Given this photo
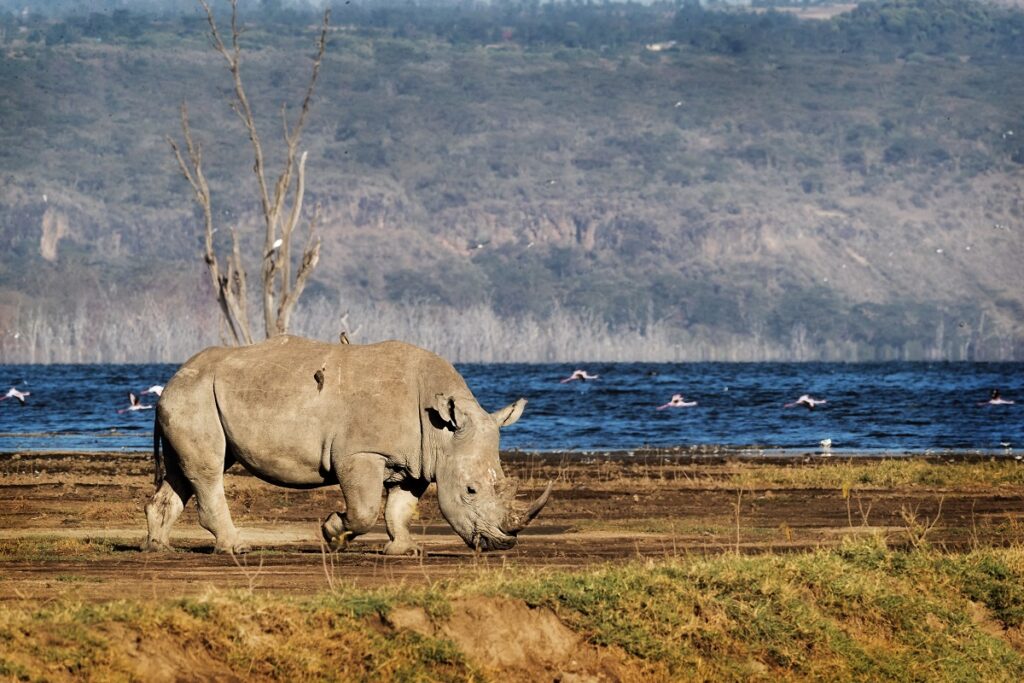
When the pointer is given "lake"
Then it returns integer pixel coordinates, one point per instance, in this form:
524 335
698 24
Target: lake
871 407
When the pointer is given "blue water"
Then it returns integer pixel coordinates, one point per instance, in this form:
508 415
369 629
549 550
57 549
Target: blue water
871 407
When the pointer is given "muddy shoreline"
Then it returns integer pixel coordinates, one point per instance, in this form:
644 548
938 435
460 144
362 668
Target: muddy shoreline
71 523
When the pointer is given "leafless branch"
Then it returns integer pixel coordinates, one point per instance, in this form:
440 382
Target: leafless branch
232 307
280 292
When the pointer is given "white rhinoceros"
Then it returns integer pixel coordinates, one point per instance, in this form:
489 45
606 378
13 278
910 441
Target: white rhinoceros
304 414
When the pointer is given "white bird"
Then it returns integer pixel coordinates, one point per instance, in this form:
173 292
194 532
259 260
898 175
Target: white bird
677 402
157 389
274 247
135 405
826 446
579 374
14 393
807 401
995 399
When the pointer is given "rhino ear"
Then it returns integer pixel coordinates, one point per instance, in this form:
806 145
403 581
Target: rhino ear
449 410
510 413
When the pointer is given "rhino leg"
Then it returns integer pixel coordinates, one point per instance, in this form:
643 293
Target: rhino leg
361 476
398 512
203 461
214 515
165 506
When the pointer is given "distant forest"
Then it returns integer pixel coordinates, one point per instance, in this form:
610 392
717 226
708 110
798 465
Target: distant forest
534 181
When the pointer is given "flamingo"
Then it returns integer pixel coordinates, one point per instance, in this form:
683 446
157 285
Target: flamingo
807 401
996 400
579 374
135 405
14 393
157 389
677 402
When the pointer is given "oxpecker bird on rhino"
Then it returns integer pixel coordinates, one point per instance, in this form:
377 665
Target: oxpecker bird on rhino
299 413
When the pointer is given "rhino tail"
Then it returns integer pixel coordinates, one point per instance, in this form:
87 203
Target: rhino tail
160 471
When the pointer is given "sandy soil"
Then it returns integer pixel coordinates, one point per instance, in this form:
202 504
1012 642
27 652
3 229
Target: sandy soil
604 508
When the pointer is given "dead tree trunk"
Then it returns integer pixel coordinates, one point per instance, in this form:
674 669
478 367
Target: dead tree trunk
281 208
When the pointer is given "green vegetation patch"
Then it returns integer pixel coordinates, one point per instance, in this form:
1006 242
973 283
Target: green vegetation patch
896 473
336 636
44 548
860 612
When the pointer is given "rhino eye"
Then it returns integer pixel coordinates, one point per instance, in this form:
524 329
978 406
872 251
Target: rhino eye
470 490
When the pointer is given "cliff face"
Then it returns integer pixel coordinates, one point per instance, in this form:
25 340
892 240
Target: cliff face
791 195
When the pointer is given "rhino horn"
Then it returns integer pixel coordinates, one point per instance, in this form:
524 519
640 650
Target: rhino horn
518 517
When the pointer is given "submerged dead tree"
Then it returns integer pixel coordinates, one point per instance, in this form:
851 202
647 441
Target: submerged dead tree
280 203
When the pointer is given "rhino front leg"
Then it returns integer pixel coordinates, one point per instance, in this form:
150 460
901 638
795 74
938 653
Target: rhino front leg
398 512
361 476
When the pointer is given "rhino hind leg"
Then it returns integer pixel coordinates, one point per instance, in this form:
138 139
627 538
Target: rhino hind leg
202 456
398 512
165 507
361 476
214 515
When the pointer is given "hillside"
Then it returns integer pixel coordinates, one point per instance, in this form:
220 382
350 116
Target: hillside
769 187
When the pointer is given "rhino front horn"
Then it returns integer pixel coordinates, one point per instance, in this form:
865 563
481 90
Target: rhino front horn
517 521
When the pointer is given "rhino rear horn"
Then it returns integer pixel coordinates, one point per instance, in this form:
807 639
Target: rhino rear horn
518 519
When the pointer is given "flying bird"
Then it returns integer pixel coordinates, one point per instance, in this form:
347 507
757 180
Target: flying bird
157 389
135 405
807 401
677 402
14 393
579 374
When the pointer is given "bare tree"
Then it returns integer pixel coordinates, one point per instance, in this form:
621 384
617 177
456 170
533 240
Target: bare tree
281 207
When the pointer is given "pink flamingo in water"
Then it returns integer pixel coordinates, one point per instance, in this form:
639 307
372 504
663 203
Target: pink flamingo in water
996 400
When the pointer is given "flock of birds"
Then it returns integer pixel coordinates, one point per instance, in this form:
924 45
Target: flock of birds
134 403
679 401
805 400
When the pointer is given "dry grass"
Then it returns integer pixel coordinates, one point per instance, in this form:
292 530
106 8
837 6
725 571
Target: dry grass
860 612
849 474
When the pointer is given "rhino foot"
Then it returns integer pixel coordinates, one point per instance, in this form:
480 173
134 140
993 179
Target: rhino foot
335 533
151 546
406 548
336 543
238 548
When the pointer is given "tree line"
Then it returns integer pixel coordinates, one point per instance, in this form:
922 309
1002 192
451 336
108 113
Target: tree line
884 27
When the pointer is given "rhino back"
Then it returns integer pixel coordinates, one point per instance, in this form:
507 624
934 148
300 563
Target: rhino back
280 420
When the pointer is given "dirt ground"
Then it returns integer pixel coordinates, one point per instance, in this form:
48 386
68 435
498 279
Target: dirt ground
72 523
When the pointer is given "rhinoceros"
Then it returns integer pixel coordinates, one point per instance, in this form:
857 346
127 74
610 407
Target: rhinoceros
303 414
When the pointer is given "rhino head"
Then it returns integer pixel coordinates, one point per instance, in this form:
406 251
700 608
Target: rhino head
475 496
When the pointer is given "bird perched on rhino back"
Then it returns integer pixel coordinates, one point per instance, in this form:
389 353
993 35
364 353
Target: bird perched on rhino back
304 414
